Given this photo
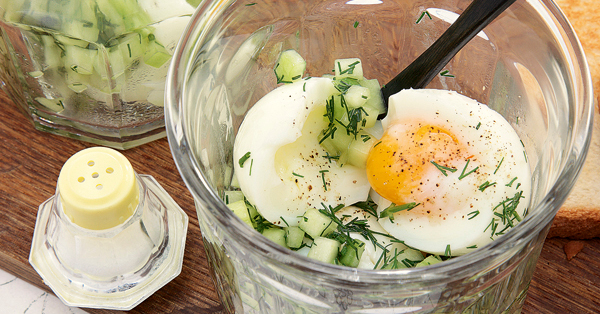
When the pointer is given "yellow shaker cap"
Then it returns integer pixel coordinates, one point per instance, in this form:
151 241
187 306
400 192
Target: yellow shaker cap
98 188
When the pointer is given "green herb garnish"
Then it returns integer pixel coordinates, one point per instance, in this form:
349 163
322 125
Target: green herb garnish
322 172
497 167
243 159
486 185
463 174
443 169
474 246
297 175
423 15
393 208
473 214
445 73
448 252
355 24
478 125
509 184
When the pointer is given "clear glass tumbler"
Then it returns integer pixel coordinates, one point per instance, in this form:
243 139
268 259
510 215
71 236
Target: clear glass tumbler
527 65
91 69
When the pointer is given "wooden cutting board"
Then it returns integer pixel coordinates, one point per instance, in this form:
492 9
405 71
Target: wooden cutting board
30 161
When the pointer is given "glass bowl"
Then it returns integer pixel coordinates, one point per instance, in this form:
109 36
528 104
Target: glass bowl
91 70
527 65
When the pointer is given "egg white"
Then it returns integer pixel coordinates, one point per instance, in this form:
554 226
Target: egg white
287 171
459 217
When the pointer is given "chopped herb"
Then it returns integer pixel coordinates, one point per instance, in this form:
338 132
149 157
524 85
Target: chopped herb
364 97
423 15
297 175
304 87
129 48
463 174
445 73
474 246
296 77
473 214
478 125
329 157
497 167
525 155
517 121
356 24
509 184
350 69
226 199
393 208
369 206
377 143
443 168
251 163
486 185
448 252
322 172
365 138
250 4
518 185
285 222
243 159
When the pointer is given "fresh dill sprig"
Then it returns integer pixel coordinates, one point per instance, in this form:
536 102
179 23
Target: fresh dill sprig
463 174
473 214
509 184
443 169
423 15
498 167
393 208
485 185
368 206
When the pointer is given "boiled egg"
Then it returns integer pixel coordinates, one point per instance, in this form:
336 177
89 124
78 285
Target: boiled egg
449 174
279 163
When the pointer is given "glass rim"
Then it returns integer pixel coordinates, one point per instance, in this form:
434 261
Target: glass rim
531 226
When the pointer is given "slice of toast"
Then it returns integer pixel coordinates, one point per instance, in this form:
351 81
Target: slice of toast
579 217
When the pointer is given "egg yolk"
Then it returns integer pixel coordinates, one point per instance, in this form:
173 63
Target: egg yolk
397 164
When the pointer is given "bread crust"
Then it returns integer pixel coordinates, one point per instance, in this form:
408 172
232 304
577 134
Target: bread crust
579 217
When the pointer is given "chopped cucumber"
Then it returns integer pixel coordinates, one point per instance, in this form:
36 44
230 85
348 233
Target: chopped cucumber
276 235
78 59
350 254
356 96
429 260
233 196
55 105
316 224
351 67
324 250
239 209
375 99
294 237
290 67
359 149
156 55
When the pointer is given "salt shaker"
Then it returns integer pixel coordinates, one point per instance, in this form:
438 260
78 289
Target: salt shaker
109 237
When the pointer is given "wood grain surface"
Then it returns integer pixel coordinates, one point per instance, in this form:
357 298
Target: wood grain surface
30 161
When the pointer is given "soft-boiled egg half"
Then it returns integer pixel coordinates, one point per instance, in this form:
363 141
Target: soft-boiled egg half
449 174
280 165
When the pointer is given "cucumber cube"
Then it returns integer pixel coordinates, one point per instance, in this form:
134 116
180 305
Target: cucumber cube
359 150
356 96
276 235
239 209
316 224
351 67
375 99
80 59
324 250
233 196
294 237
429 260
290 67
370 116
156 55
350 255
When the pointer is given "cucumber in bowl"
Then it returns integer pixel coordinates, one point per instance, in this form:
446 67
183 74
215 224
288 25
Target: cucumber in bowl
97 51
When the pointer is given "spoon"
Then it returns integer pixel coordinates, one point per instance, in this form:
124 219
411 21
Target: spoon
421 71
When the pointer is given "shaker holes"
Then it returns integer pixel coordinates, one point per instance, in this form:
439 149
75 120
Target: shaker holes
99 186
109 170
91 163
95 175
81 179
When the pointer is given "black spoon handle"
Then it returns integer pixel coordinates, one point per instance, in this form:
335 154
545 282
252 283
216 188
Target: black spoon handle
421 71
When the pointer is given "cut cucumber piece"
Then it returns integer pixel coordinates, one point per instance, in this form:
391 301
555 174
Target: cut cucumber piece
156 55
375 99
55 105
290 67
429 260
233 196
294 236
356 96
80 59
351 67
276 235
350 255
239 209
359 149
324 250
316 224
